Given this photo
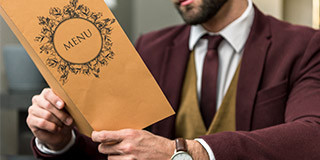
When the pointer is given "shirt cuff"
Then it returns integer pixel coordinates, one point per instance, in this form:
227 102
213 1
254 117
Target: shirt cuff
44 149
206 147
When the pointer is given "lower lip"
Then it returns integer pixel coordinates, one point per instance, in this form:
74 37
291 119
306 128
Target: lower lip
186 2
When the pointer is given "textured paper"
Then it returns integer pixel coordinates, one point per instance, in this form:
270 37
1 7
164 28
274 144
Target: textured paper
86 58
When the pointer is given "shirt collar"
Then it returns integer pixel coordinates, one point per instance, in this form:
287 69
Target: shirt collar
236 33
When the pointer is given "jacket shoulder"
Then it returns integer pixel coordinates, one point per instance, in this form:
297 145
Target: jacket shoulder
160 38
287 32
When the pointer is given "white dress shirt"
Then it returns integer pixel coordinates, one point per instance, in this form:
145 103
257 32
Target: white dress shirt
230 52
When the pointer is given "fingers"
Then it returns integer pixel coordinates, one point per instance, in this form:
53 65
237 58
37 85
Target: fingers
116 149
48 101
48 120
133 144
36 123
51 97
109 136
110 149
112 142
120 157
44 114
47 113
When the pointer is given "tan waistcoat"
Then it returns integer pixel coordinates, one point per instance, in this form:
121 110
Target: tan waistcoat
189 122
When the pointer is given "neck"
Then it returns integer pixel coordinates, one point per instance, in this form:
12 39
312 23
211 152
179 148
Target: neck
229 12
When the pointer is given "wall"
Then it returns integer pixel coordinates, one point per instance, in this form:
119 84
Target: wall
123 12
293 11
1 59
271 7
152 15
8 118
6 37
298 11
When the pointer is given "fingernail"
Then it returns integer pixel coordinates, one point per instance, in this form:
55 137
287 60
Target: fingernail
68 121
59 104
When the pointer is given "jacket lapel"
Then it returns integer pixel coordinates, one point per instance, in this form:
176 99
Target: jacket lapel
252 65
172 76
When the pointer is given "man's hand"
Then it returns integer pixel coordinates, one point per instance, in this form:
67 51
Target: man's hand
48 120
133 144
141 145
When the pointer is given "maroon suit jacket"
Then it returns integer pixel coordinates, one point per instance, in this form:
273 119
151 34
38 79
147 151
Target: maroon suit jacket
278 96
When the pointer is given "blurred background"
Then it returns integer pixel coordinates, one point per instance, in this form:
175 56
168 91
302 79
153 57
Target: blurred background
136 17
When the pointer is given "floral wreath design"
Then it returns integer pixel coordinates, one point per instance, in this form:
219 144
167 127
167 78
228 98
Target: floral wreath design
50 24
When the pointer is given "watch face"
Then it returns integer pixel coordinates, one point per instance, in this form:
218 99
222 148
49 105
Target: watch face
181 156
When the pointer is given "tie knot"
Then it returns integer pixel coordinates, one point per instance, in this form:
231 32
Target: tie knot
213 41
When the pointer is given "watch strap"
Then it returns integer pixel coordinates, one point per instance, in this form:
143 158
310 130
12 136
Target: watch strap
181 145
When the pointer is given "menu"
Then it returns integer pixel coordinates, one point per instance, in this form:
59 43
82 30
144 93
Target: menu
86 58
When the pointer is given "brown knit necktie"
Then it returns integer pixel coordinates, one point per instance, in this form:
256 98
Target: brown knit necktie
209 80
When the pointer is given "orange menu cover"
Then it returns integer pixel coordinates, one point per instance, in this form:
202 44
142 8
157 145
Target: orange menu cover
88 61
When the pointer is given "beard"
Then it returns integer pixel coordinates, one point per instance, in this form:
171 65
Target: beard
207 10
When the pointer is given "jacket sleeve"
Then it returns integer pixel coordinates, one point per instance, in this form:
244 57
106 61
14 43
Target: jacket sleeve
84 148
298 137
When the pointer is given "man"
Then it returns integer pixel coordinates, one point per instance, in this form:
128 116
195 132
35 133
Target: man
273 65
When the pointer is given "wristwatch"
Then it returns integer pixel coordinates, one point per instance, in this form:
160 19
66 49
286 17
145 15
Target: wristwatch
181 152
